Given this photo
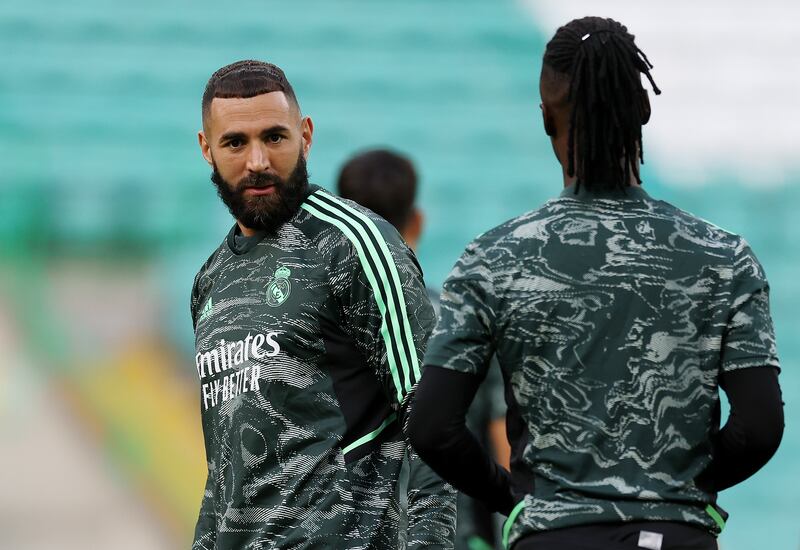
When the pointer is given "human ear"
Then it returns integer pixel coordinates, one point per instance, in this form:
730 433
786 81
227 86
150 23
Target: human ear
307 133
548 121
205 148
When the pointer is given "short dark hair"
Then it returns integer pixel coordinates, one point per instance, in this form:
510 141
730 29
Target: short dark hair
383 181
608 103
244 79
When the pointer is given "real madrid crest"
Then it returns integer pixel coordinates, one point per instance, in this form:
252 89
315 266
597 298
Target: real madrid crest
278 290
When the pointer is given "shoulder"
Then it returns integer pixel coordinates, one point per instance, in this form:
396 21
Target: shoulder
499 244
338 226
696 231
203 282
208 266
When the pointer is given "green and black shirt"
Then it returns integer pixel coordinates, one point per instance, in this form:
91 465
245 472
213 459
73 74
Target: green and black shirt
308 344
613 316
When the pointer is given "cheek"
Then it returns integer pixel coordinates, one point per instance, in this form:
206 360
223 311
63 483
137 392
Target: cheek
230 167
283 162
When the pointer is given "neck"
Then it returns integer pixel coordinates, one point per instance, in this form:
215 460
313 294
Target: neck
571 180
560 149
410 238
568 180
246 231
559 144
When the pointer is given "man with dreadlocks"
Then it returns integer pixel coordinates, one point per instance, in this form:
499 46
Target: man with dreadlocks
616 318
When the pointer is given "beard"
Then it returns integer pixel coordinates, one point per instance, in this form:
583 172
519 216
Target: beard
264 212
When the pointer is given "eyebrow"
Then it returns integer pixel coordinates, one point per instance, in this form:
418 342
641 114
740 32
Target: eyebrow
228 136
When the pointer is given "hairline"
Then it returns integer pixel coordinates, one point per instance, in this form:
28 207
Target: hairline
290 100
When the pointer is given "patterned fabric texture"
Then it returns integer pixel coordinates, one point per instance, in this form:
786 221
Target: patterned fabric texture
308 344
612 315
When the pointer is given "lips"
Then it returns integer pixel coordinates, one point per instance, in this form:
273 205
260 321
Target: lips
258 191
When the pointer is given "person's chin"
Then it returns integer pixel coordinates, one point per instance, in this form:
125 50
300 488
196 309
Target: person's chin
262 202
261 219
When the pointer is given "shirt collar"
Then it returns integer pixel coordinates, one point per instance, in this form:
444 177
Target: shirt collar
632 192
239 244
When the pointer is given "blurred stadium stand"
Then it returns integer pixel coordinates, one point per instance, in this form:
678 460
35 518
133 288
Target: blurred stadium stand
106 210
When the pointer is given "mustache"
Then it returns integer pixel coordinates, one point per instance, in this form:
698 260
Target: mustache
259 180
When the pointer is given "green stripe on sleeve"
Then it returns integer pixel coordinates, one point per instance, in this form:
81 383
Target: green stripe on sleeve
512 517
371 435
715 516
384 279
395 279
477 543
371 278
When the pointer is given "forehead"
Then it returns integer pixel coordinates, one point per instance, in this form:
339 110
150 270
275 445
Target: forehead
252 113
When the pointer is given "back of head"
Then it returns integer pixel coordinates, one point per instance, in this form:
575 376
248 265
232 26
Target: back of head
383 181
245 79
608 105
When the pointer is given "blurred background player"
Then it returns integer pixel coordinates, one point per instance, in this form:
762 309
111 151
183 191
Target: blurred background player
386 182
305 372
616 318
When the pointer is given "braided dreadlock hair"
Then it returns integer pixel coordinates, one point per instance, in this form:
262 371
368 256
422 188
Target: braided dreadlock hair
607 101
245 79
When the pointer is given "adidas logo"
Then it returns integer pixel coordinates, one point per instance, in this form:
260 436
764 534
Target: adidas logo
207 309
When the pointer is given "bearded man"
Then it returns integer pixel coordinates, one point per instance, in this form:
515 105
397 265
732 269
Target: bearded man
311 320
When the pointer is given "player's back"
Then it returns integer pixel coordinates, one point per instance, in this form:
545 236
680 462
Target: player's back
608 313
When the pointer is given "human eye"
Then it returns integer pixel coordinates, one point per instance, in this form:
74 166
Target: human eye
274 137
235 143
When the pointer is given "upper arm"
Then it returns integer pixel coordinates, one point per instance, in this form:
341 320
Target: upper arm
749 338
378 285
464 336
194 301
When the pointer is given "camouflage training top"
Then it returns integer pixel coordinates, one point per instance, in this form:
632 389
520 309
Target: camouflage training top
612 315
308 343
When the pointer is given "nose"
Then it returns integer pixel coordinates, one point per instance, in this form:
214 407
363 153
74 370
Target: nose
258 158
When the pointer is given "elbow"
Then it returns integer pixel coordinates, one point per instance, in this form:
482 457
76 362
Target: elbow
422 434
431 432
760 441
436 425
766 440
